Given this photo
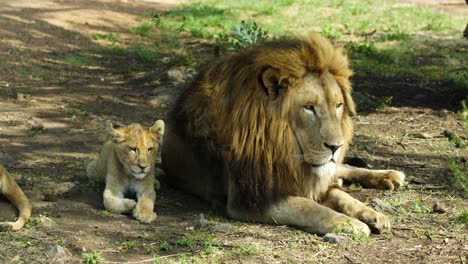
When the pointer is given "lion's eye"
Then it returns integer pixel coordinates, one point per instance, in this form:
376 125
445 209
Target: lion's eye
309 109
339 105
150 149
132 149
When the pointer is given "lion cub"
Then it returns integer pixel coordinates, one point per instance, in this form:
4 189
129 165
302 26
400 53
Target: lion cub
12 191
126 162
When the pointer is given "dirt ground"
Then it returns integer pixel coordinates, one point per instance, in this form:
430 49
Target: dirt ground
51 120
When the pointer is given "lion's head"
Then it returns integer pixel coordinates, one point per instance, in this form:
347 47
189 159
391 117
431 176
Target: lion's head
136 146
270 113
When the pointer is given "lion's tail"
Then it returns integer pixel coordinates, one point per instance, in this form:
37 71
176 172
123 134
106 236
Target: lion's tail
13 192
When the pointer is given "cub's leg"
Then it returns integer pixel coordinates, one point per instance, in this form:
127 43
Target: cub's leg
13 192
379 179
113 197
342 202
144 209
305 214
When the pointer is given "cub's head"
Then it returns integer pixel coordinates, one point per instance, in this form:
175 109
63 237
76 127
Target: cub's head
136 146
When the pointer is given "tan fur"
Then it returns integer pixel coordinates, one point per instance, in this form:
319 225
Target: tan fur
13 192
251 133
127 163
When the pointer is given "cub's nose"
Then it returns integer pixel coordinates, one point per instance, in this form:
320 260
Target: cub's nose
332 147
142 167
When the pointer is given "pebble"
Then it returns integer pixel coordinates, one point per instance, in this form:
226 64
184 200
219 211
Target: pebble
335 239
223 228
56 252
382 207
439 208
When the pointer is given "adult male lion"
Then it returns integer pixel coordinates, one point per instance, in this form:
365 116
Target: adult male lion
263 132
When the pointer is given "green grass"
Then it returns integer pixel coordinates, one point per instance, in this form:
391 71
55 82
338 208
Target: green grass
249 250
93 257
129 244
78 60
107 37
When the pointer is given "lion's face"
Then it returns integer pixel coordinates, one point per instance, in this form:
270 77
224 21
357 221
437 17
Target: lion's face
136 146
316 112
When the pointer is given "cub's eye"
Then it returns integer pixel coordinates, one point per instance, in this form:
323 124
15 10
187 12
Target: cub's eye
132 149
309 108
339 105
150 149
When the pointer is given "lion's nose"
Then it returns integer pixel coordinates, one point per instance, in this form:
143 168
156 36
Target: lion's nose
142 167
332 147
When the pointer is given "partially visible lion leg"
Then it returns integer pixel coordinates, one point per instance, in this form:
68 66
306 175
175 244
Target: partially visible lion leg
13 192
144 208
114 202
342 202
306 214
379 179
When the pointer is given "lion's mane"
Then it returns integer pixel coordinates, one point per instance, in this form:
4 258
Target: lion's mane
229 119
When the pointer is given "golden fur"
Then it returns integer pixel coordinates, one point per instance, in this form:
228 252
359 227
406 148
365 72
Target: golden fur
13 192
127 163
248 144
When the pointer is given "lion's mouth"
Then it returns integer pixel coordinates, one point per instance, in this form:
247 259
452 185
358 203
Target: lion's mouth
322 164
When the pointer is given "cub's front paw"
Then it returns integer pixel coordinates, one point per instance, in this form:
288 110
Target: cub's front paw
128 204
386 180
378 222
144 215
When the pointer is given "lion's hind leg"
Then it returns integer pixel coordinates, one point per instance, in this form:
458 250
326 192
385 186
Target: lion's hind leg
379 179
342 202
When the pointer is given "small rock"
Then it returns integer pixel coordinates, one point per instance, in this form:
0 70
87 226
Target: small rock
201 222
382 207
439 208
335 238
56 252
176 75
224 228
20 96
36 125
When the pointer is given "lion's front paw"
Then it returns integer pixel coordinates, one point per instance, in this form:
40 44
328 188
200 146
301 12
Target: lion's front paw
386 180
144 215
378 222
351 225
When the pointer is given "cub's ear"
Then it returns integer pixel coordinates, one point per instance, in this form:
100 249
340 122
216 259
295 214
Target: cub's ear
116 135
273 82
158 129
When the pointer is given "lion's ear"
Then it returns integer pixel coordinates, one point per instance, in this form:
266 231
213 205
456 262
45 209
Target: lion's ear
114 134
158 128
272 82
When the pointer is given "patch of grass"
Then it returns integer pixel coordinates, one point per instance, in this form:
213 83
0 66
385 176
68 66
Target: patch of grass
462 218
78 60
60 241
241 36
93 257
145 29
188 240
330 32
23 238
129 244
419 208
105 213
107 37
34 220
245 250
